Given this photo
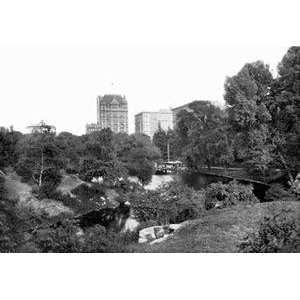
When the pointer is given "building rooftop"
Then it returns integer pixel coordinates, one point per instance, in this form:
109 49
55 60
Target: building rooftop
161 111
111 99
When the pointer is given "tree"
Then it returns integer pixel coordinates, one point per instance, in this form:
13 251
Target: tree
14 221
245 95
160 140
8 147
284 106
72 148
166 142
202 134
100 158
40 161
138 155
249 118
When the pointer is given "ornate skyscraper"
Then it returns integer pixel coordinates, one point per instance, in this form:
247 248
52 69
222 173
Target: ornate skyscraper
112 112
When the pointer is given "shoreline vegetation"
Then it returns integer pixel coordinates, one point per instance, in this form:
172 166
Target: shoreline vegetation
51 184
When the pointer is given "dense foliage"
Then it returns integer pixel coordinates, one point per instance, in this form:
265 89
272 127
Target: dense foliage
67 239
259 129
87 198
284 106
264 115
173 203
138 155
100 159
40 162
8 147
225 195
278 193
279 233
167 143
202 136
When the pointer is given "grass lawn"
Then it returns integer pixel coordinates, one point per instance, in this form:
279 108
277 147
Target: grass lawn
219 230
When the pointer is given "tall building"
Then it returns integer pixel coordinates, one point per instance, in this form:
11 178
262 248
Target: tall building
112 112
149 122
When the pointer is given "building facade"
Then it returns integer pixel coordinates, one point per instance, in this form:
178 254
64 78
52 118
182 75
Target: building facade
149 122
112 112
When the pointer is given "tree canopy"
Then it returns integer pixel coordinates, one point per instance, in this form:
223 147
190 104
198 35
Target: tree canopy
138 155
202 135
248 116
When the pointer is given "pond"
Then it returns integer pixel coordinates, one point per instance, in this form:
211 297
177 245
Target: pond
157 180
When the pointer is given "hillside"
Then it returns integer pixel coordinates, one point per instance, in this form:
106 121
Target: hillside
219 230
68 183
22 192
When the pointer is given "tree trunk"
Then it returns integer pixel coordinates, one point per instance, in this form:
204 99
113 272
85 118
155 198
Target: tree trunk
42 169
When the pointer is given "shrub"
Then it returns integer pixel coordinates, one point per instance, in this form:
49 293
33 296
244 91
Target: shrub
86 192
187 202
58 240
143 169
2 189
98 240
8 236
92 196
278 193
279 233
51 180
228 194
175 202
78 205
65 239
148 205
13 223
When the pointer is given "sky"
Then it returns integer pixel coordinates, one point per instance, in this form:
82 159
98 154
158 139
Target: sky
53 64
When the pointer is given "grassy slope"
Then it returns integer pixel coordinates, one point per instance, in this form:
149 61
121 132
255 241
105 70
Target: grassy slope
68 183
22 192
219 230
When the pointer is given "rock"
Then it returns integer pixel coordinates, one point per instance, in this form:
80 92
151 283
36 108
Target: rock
296 184
219 204
157 234
147 235
130 225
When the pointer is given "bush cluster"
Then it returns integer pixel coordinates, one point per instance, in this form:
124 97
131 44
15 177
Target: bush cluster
87 198
88 192
228 194
278 193
8 235
279 233
1 187
65 238
172 203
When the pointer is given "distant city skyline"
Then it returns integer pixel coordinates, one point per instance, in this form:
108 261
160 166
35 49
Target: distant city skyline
60 84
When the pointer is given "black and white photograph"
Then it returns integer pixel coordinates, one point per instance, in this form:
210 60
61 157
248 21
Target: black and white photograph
149 130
